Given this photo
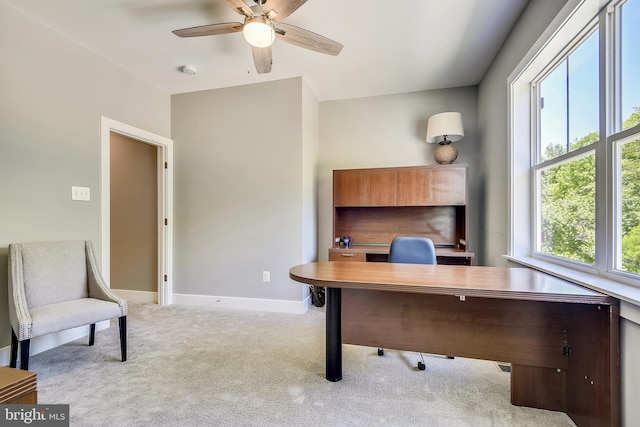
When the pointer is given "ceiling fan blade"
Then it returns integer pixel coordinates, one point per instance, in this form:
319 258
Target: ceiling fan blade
306 39
262 59
209 30
277 10
240 7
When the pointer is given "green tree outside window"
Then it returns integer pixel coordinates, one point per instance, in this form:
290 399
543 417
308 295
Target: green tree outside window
631 199
568 203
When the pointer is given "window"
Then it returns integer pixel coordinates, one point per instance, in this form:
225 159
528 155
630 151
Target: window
628 208
575 131
627 150
630 62
568 106
568 111
567 209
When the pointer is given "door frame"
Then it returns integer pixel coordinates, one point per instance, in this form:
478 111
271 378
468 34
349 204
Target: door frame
165 200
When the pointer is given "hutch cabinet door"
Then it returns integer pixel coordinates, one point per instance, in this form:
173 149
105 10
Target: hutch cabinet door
380 188
413 187
448 186
348 188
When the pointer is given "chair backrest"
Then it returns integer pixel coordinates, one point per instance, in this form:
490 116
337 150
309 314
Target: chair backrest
412 250
53 272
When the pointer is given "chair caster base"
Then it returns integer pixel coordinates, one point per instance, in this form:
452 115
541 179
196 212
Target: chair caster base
381 352
421 366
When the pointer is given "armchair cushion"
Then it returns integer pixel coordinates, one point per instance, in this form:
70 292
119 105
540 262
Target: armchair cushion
50 318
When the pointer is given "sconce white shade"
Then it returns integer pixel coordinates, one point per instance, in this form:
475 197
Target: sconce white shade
447 125
258 32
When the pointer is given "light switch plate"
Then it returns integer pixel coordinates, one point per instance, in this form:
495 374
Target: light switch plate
81 193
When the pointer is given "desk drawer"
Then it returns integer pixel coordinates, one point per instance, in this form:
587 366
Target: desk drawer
347 256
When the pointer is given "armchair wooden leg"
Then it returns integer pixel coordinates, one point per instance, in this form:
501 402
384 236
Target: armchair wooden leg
92 334
14 349
24 354
122 321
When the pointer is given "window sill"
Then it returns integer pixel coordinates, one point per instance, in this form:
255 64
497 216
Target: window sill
628 295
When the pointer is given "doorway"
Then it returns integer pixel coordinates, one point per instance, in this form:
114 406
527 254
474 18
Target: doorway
134 218
113 135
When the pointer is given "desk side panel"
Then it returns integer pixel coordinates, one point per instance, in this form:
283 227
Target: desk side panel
522 332
535 387
593 380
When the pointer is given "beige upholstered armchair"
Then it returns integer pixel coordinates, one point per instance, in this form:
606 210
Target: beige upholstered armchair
54 286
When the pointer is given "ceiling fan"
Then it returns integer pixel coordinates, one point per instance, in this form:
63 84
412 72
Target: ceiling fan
262 25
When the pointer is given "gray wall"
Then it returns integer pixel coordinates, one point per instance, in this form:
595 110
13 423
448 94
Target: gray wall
310 149
52 94
240 189
493 126
630 367
390 131
493 173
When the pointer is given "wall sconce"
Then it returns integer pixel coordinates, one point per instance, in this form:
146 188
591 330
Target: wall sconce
449 127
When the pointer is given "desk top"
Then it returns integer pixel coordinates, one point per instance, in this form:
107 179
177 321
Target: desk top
472 281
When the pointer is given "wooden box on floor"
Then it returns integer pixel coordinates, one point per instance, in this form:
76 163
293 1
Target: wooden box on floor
17 386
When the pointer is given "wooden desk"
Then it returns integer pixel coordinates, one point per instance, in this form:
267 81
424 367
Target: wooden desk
561 339
17 386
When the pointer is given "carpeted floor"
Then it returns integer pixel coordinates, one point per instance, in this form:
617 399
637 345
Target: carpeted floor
193 366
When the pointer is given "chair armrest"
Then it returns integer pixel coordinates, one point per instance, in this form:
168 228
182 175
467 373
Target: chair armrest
97 287
19 316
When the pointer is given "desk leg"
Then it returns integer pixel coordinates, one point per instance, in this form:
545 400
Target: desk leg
334 334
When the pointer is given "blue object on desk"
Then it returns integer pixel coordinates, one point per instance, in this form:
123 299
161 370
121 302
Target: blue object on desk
412 250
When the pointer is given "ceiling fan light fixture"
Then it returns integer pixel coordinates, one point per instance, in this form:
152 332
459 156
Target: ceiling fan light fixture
258 32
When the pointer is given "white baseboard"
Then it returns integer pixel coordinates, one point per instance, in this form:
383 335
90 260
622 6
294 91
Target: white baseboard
278 306
136 296
47 342
256 304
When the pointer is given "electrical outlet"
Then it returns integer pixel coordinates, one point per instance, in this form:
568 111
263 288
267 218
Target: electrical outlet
81 193
266 276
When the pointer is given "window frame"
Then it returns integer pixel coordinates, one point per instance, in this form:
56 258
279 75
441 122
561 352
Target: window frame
574 24
615 144
539 165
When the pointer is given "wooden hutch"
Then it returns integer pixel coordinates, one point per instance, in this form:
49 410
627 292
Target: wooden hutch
372 206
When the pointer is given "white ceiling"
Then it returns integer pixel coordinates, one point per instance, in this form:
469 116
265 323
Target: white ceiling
390 46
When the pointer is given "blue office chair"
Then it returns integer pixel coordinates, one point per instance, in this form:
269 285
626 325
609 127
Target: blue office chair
412 250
